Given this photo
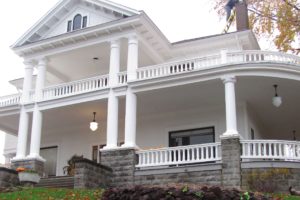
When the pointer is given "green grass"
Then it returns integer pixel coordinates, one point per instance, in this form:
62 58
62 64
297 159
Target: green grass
52 194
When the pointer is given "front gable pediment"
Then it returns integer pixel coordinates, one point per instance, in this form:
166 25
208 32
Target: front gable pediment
60 19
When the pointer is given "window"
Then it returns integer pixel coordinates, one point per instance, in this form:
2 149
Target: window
252 134
78 22
96 154
69 26
84 21
191 137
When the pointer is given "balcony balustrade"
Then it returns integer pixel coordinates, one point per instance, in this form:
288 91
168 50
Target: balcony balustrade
156 71
179 155
10 100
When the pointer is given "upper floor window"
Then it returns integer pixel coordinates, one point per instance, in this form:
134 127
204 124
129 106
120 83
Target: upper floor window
78 22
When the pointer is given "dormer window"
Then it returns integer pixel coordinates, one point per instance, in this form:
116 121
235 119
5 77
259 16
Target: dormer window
78 22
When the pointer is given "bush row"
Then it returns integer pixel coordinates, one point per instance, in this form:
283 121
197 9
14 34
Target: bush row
178 193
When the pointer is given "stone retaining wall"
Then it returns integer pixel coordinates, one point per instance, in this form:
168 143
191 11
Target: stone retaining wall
270 176
89 174
205 174
8 178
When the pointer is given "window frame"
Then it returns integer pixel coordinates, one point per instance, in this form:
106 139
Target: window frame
194 129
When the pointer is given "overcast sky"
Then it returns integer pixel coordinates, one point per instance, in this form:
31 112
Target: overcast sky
178 20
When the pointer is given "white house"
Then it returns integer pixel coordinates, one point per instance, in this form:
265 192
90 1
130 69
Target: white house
147 93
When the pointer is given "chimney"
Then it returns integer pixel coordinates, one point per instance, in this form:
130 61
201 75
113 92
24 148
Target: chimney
242 20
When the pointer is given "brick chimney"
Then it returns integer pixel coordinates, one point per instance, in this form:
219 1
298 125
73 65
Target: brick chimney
242 20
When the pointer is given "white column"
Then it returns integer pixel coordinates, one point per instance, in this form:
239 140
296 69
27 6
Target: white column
130 119
24 116
231 121
27 84
36 131
114 67
22 134
113 102
35 142
132 61
112 121
41 77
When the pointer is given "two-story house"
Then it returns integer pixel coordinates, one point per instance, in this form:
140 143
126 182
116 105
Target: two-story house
108 80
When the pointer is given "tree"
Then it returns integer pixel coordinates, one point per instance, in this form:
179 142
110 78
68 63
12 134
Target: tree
276 19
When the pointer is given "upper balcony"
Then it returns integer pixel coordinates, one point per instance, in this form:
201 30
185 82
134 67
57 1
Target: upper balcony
169 69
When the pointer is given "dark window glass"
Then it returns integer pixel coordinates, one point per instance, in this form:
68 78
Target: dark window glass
84 22
69 26
77 22
95 153
192 137
252 134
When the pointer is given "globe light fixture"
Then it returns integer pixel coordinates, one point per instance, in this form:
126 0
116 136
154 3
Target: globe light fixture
94 124
277 100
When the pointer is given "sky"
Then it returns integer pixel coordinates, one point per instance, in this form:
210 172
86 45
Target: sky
178 20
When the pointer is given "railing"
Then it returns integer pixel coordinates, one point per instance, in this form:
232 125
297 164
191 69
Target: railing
122 78
178 67
76 87
161 70
270 149
262 56
10 100
179 155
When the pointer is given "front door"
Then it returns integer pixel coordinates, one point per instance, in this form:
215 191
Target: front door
50 155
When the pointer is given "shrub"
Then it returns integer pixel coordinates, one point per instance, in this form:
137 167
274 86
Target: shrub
177 193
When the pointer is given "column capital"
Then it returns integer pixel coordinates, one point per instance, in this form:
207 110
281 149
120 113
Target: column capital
29 63
228 79
133 39
43 61
115 44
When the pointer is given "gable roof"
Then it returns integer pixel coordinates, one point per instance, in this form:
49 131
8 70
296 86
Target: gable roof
52 17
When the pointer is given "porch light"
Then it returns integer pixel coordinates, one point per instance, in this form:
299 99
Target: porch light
277 101
94 124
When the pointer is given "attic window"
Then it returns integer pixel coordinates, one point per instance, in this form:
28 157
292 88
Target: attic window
78 22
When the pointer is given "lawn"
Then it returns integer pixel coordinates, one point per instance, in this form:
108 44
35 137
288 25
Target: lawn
52 194
78 194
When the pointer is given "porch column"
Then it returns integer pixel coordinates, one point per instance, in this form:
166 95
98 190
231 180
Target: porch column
132 61
24 116
41 77
22 134
231 122
36 132
113 102
130 119
114 67
27 84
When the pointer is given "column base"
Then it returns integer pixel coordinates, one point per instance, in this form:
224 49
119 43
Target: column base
110 147
230 134
130 146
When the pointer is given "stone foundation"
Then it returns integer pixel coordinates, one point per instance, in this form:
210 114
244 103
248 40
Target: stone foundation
89 174
122 162
204 174
231 162
270 176
33 164
8 178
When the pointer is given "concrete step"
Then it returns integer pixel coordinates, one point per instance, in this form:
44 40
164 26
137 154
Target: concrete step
57 182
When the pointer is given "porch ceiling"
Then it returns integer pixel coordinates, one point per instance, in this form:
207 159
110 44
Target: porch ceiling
257 92
79 63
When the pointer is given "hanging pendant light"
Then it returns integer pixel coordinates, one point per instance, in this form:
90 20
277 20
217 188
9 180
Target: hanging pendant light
277 100
94 124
